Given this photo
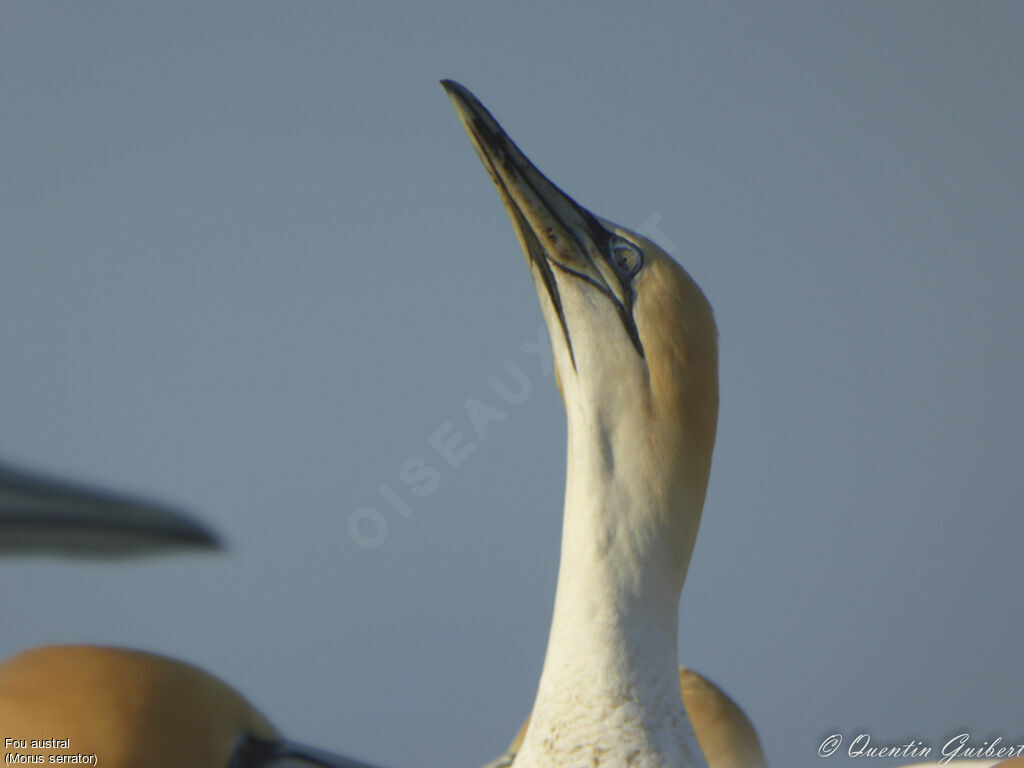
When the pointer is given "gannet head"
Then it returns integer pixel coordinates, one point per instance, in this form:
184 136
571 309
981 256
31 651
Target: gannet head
136 708
129 707
634 338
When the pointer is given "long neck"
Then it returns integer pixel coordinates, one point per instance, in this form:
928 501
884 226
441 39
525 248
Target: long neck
609 692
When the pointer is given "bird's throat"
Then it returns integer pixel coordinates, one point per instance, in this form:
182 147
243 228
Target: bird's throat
609 692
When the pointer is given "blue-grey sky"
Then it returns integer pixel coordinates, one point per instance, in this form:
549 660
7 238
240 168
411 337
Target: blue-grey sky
250 264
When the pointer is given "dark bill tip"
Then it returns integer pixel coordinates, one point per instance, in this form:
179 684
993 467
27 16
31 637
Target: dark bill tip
44 515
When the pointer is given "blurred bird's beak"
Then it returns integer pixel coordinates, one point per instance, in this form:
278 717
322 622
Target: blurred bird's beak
43 515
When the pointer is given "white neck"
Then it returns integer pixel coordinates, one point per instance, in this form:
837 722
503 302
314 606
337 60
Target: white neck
609 692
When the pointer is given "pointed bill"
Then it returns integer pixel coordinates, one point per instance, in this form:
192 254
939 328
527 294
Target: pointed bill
555 232
40 515
253 752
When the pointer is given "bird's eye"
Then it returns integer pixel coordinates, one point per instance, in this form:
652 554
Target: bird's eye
627 257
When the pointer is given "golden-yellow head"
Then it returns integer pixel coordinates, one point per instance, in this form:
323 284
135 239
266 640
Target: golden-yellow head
634 338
